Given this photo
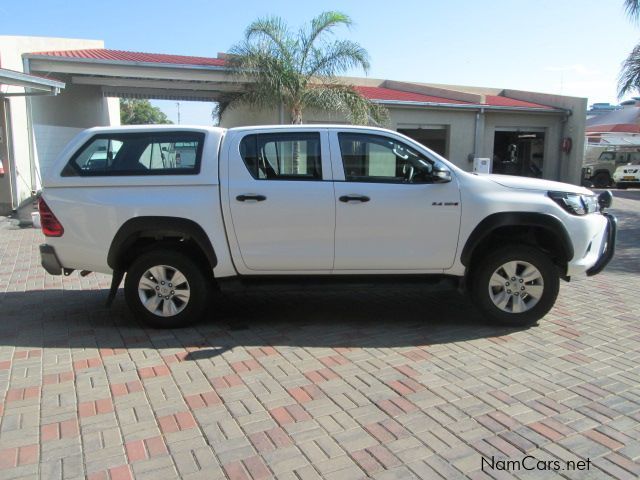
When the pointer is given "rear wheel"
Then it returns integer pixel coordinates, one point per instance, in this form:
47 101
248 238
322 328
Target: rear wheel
516 285
166 289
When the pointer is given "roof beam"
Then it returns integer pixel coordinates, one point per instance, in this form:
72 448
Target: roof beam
156 84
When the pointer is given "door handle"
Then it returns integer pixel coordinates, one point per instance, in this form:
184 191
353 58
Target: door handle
354 198
257 198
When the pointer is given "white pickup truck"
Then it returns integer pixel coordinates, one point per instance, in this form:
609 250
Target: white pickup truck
183 210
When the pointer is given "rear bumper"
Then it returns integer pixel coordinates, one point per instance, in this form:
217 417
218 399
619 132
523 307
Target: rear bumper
608 247
49 260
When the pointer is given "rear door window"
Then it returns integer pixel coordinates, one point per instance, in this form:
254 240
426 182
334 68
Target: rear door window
282 156
158 153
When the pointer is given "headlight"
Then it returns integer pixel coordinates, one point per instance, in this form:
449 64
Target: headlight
574 203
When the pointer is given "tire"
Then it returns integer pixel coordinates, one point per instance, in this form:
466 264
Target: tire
179 304
601 180
491 285
621 186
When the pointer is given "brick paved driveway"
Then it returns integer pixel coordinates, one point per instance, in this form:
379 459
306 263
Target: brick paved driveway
342 384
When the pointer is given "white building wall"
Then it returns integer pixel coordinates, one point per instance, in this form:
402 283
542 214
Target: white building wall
57 119
23 154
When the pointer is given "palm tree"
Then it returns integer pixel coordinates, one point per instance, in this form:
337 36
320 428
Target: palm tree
630 74
632 7
298 71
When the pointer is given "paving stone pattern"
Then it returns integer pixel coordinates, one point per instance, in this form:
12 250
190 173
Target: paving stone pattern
338 384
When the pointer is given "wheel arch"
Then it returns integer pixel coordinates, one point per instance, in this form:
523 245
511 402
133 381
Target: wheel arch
522 222
153 229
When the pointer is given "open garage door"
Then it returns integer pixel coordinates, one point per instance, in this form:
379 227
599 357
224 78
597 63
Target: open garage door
435 138
519 152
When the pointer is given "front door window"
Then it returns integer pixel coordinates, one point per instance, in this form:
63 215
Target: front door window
378 159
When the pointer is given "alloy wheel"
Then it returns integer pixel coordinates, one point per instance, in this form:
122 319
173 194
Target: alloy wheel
516 286
164 290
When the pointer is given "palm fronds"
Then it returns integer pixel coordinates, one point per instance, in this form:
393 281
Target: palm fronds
632 8
299 70
629 79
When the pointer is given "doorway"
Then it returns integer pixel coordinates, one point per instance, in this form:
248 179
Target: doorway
518 153
433 138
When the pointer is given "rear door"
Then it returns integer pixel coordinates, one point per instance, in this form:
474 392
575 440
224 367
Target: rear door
281 202
391 212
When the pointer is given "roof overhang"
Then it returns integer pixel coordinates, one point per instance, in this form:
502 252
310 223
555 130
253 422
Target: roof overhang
463 106
42 61
32 84
176 77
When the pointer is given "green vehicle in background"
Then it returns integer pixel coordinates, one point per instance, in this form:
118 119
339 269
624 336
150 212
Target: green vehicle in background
597 171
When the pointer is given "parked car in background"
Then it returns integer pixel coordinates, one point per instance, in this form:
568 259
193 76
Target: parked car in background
627 176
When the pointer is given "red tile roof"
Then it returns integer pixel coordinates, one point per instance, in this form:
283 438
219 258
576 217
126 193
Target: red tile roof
372 93
498 101
615 128
381 93
124 56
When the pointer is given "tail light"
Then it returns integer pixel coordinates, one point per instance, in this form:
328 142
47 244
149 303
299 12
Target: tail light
51 226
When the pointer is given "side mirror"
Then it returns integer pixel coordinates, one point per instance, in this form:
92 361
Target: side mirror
605 199
441 176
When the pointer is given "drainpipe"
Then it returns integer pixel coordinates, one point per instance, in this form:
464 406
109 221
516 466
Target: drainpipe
562 155
33 171
11 159
479 133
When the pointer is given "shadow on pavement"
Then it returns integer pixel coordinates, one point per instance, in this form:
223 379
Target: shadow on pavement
375 318
627 246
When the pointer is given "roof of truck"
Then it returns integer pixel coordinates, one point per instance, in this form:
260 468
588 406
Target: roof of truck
172 127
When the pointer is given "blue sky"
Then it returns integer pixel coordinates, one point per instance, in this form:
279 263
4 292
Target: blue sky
572 47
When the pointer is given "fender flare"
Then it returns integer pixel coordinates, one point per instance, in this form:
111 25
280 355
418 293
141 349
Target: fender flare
516 219
158 228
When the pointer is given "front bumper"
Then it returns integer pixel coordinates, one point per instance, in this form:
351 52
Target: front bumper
608 247
49 260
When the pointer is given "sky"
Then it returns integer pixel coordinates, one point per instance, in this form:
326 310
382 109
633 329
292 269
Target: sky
569 47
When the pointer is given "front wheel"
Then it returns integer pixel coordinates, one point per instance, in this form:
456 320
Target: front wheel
515 285
166 289
602 180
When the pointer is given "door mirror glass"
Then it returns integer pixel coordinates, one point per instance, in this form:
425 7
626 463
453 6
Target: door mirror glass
441 174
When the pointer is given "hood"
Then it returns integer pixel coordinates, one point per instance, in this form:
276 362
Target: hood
526 183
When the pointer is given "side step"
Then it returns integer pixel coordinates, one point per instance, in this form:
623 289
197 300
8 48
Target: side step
304 282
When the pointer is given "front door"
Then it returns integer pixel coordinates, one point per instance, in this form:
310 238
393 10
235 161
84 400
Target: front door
391 212
281 201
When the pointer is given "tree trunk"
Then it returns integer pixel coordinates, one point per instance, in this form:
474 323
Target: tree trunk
296 116
296 119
